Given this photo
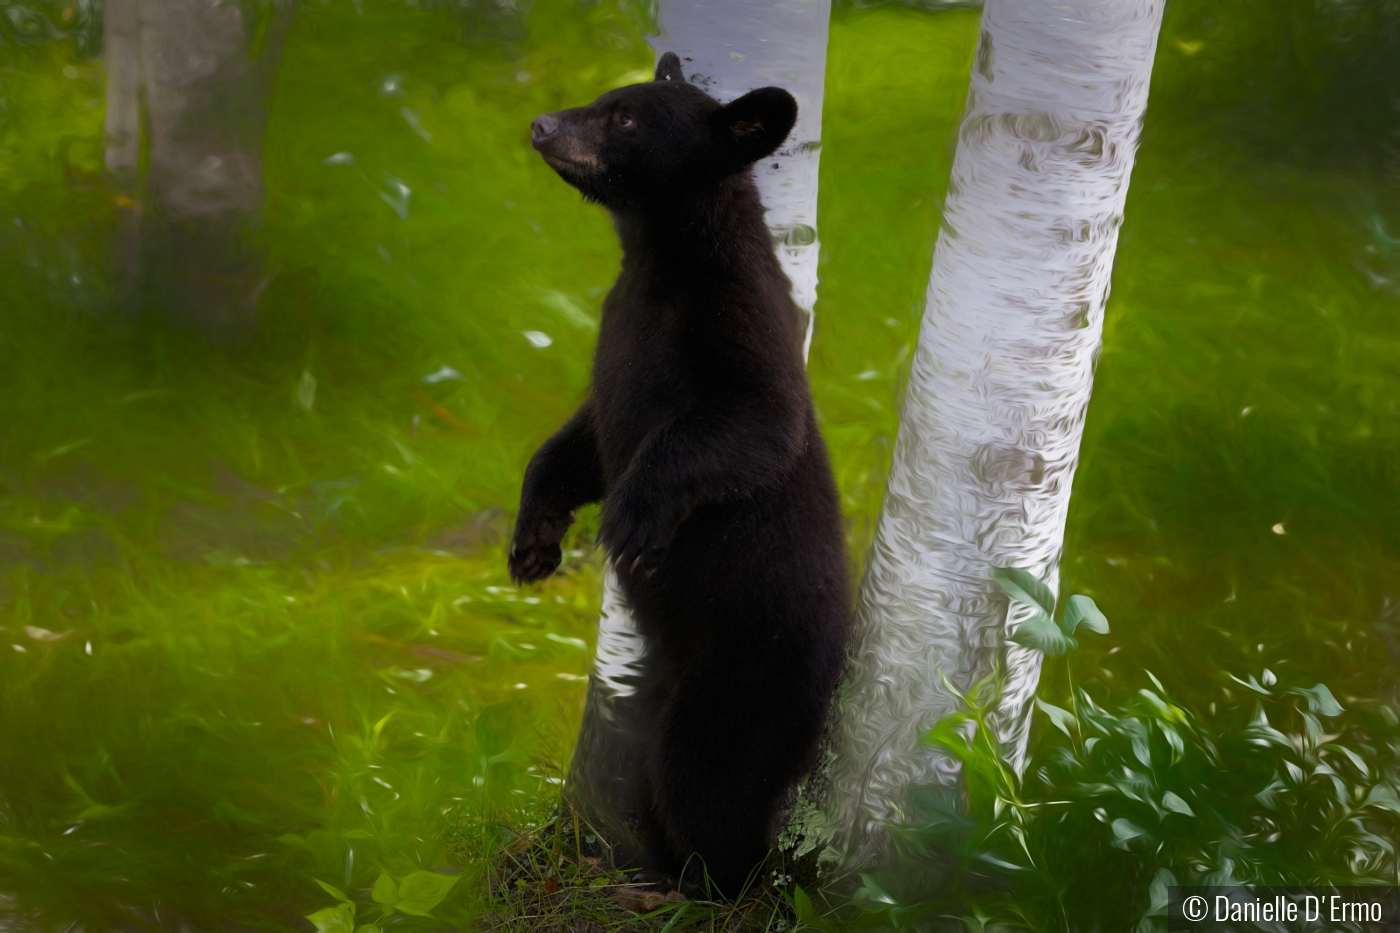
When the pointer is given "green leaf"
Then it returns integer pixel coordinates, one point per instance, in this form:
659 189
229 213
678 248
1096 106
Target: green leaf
1260 733
806 911
1174 739
1158 704
1174 803
1269 795
368 928
1252 684
871 889
1082 611
1041 634
1320 700
337 919
1000 863
948 733
802 904
1023 587
384 890
1158 893
671 924
332 891
423 890
1062 718
1125 831
1357 761
1384 797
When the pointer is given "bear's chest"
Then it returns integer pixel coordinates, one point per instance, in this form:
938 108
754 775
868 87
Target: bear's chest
641 381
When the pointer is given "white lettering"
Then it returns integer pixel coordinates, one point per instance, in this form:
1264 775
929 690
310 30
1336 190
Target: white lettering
1345 911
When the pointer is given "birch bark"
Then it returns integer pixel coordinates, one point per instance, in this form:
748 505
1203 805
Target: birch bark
994 411
728 47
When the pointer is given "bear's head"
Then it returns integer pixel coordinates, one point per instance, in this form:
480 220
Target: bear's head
642 144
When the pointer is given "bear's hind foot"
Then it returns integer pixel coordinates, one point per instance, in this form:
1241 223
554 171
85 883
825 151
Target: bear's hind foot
657 881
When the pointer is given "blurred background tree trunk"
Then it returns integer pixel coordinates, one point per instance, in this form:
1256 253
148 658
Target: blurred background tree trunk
187 106
728 47
994 412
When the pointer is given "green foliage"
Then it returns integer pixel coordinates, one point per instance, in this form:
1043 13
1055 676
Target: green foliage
337 919
807 915
1080 610
1039 630
1118 805
416 894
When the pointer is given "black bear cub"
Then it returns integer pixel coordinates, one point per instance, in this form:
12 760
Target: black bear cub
720 513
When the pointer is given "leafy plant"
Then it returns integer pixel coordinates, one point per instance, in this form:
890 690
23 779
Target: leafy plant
1119 804
416 894
1040 630
341 917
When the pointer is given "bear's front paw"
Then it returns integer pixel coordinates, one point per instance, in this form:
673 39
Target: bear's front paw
532 561
634 544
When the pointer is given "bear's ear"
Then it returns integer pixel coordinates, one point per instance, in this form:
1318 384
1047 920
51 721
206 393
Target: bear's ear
756 124
669 69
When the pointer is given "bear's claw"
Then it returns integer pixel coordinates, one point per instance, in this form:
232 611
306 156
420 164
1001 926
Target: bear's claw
636 537
645 563
533 563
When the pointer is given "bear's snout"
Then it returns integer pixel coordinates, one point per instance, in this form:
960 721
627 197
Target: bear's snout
543 127
568 143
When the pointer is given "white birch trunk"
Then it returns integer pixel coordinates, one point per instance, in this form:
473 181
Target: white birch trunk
994 412
728 47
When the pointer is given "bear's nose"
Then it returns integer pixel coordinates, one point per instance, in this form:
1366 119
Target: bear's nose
543 127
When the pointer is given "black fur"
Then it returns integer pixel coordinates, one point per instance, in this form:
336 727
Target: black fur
698 436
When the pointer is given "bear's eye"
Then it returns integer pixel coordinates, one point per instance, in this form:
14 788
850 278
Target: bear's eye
625 121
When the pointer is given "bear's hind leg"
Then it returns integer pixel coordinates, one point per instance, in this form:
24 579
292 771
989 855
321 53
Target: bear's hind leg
728 751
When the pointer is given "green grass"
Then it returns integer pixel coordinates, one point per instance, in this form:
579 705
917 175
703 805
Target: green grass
305 660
